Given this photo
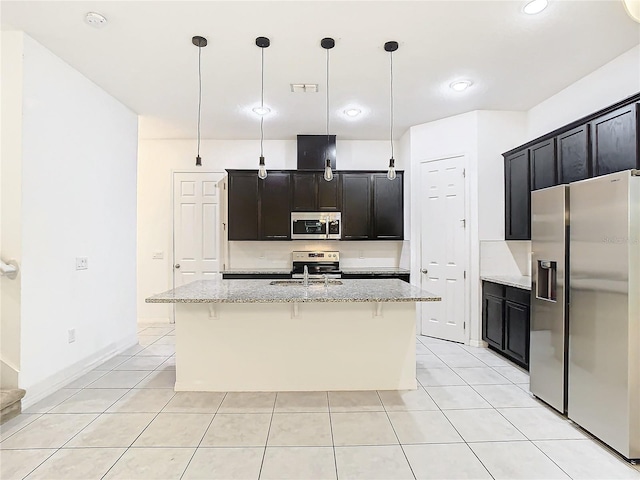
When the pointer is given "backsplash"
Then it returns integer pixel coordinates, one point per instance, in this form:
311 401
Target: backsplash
505 258
264 255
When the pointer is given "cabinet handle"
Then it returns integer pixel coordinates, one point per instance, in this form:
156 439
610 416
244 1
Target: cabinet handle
425 271
177 265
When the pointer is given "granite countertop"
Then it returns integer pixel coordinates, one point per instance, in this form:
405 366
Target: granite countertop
261 291
374 270
353 270
518 281
258 271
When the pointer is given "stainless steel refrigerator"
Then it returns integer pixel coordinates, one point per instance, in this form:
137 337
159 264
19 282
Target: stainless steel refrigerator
549 262
585 332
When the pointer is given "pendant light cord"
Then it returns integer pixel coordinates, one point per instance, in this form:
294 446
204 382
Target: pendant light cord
391 123
262 102
327 101
199 93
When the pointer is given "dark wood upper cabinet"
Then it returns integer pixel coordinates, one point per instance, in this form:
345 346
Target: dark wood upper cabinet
604 142
517 196
329 193
356 206
614 141
275 206
312 193
388 209
243 206
305 191
543 164
573 155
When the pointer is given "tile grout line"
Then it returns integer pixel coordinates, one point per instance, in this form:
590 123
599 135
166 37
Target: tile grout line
384 408
333 442
143 430
264 453
456 430
203 435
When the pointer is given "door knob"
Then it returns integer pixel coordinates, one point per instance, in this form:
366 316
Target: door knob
425 271
177 265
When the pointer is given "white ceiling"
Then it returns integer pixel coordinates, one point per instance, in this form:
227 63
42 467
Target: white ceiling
144 57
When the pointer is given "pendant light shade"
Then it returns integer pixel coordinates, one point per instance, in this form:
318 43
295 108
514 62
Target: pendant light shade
199 42
328 44
391 47
262 42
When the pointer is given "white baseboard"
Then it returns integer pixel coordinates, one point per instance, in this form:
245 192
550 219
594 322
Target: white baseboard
49 385
478 343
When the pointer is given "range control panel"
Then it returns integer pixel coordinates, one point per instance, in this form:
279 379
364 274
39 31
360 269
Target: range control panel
316 256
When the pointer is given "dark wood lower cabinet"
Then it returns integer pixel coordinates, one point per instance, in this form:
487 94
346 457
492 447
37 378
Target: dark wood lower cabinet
516 326
505 321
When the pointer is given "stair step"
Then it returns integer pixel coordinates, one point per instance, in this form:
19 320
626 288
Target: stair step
10 403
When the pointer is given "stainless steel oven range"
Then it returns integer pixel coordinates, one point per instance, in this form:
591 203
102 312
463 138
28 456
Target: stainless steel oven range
318 264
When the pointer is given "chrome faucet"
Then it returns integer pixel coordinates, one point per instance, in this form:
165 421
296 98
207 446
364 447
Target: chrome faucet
305 278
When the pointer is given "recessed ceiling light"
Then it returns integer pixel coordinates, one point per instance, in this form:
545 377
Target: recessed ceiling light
95 19
352 112
261 110
460 85
535 6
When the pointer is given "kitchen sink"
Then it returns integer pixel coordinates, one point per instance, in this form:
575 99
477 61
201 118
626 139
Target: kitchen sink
299 283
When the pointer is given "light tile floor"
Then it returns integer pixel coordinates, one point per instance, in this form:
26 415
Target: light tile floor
471 417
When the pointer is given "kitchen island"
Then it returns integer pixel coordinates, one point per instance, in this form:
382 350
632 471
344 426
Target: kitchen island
262 335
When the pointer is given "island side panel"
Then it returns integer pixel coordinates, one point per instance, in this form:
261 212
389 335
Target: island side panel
263 347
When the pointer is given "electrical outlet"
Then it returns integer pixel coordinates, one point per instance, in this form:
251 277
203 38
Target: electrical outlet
72 335
158 255
82 263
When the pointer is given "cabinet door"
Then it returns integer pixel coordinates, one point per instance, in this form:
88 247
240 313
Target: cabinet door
356 206
328 193
304 186
573 155
275 213
388 217
493 321
516 324
543 164
243 206
517 196
614 141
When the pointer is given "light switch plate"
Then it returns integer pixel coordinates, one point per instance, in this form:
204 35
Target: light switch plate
82 263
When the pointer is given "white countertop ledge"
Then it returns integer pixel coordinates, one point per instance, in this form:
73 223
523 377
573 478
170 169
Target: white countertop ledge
518 281
261 291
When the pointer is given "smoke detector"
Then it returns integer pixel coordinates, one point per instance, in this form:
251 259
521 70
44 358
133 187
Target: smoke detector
304 87
95 19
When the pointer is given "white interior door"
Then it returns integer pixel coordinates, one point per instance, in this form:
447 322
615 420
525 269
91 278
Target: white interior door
443 247
196 226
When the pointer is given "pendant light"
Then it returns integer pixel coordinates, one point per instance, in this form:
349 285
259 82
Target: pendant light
262 42
199 42
328 44
391 47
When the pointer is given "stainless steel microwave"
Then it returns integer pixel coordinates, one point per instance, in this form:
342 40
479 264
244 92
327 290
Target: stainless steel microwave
316 225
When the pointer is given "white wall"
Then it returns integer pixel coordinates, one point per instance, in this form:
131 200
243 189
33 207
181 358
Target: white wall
158 158
609 84
10 200
78 200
